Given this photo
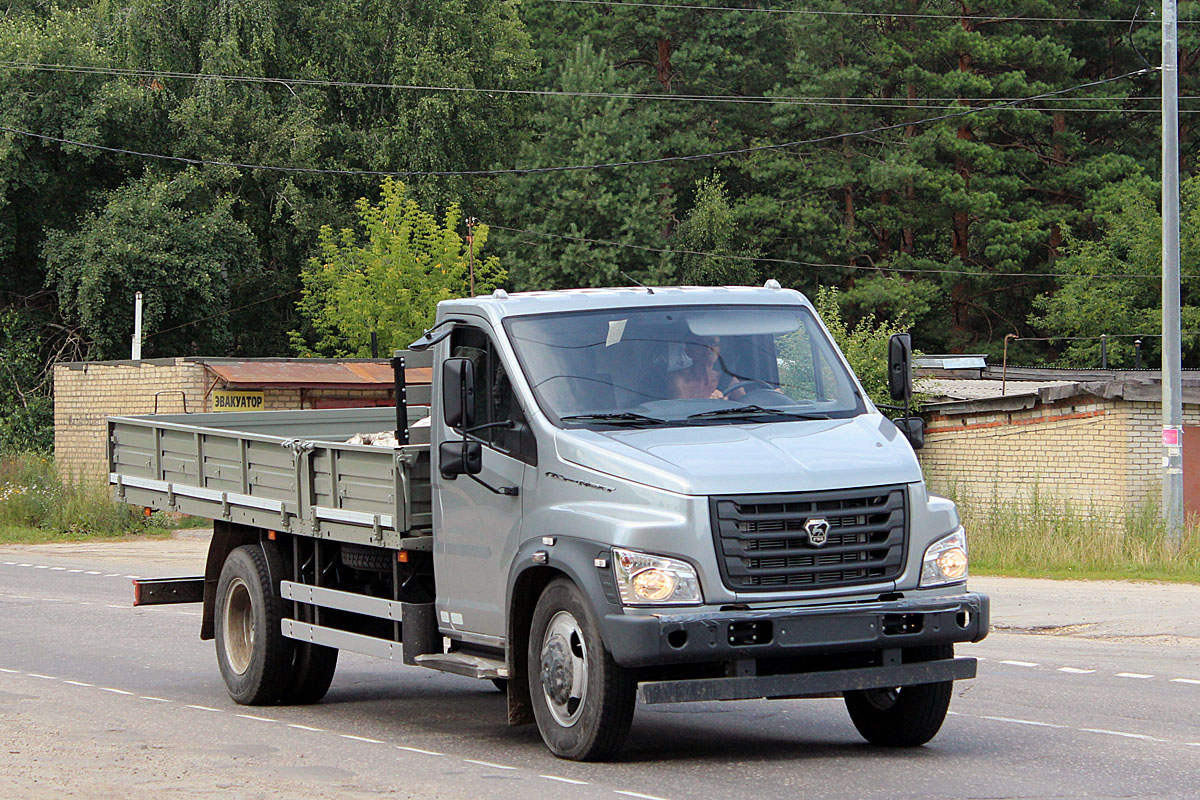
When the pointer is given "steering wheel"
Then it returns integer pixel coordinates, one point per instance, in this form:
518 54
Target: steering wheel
733 387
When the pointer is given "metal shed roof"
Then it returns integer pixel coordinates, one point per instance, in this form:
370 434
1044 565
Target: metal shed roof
310 373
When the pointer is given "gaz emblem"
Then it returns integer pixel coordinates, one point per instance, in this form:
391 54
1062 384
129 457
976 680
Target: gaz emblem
818 531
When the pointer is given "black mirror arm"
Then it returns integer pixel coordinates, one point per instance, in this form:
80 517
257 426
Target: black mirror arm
426 340
509 491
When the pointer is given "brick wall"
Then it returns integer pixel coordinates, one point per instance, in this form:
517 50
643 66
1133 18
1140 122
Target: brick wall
84 394
1078 450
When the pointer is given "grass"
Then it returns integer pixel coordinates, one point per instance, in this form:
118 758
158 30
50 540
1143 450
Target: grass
1041 536
38 505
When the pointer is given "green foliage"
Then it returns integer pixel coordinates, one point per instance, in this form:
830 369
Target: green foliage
865 343
34 496
170 238
389 278
1044 535
1130 242
26 409
711 227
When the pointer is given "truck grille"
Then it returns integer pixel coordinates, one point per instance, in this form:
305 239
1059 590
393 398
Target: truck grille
762 543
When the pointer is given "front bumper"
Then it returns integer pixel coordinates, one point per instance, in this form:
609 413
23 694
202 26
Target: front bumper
687 638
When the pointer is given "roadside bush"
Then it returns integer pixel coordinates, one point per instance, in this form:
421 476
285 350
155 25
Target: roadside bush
33 496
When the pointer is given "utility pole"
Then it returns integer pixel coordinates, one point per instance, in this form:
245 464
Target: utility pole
471 223
136 353
1172 367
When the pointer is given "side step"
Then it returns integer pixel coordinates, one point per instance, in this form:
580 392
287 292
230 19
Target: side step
464 664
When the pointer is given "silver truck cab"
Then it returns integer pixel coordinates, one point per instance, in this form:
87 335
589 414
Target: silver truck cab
779 517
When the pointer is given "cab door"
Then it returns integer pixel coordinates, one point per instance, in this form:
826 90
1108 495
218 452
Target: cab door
477 529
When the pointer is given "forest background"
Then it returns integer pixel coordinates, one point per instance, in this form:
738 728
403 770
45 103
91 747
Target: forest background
1039 219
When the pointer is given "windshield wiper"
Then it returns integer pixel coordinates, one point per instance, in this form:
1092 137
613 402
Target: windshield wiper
622 417
754 411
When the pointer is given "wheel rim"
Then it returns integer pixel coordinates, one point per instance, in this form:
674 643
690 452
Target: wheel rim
564 669
882 699
238 618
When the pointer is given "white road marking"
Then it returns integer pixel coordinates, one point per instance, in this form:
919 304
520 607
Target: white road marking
10 563
564 780
24 565
1076 671
1020 663
80 683
91 572
116 691
135 577
304 727
10 671
419 750
1185 680
260 719
638 794
43 677
360 738
112 575
202 708
40 566
1139 675
486 764
74 570
1024 722
1123 733
155 699
58 569
110 605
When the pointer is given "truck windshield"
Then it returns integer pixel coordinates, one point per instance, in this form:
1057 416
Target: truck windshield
692 365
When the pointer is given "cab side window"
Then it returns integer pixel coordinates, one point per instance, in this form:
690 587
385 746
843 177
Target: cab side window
494 397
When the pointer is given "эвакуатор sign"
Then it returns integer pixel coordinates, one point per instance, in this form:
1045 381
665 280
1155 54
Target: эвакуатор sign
237 401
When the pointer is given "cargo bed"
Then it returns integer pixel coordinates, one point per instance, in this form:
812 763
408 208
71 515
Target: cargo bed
281 470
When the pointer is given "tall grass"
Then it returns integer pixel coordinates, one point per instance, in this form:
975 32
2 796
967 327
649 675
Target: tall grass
1043 535
38 504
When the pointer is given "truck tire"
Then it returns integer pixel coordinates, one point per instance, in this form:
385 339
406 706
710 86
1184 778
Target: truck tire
312 672
906 716
254 657
582 700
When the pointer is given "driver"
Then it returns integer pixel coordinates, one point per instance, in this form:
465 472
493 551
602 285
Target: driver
691 373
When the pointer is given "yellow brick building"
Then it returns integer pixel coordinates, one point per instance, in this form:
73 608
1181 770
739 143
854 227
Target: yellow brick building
87 392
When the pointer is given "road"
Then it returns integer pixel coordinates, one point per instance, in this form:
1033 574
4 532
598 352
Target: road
1077 696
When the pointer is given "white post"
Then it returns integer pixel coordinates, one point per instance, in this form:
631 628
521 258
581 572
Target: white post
137 327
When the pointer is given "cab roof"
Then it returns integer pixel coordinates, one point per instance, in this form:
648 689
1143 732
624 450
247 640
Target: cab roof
501 304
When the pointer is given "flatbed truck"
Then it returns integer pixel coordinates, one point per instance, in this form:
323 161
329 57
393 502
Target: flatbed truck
659 494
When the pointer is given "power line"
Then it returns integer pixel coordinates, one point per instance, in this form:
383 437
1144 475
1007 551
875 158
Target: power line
865 102
223 313
797 263
580 167
823 13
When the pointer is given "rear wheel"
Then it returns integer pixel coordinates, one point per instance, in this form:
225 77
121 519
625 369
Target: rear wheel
311 674
582 700
254 657
903 716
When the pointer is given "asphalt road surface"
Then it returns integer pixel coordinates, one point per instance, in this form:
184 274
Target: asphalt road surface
1083 692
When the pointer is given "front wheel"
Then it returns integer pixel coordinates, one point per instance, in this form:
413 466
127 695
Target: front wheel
904 716
582 700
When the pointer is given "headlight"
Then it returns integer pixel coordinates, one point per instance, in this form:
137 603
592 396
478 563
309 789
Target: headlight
945 560
645 579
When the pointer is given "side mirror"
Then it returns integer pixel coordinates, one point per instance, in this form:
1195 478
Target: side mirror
900 367
458 392
460 458
913 429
